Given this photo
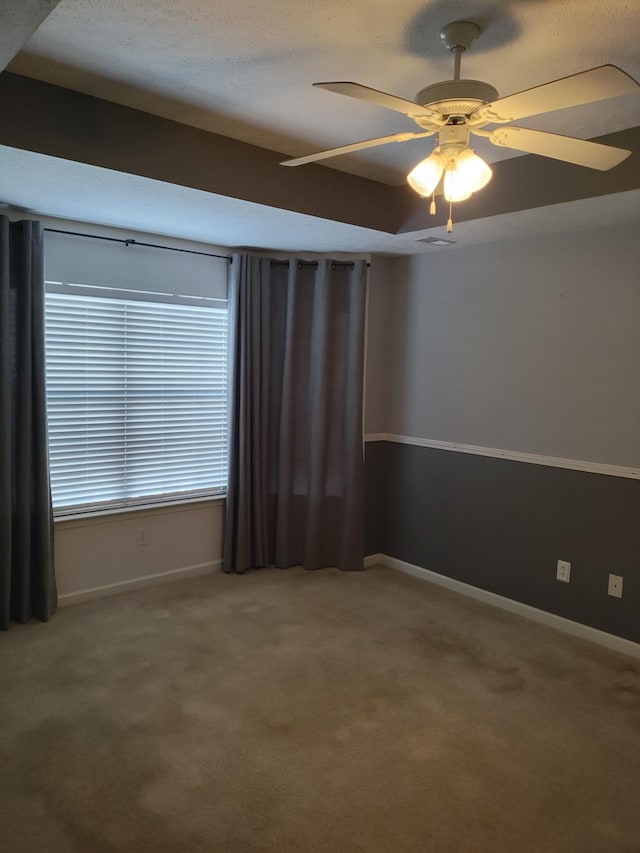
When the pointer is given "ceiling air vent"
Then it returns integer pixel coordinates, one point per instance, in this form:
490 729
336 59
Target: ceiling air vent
435 241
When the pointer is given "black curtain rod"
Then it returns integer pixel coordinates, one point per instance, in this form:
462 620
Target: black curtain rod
129 241
132 242
314 263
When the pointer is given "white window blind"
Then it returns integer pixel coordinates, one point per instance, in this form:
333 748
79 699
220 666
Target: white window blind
136 396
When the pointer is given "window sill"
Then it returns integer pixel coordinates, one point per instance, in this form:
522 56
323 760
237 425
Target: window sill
157 508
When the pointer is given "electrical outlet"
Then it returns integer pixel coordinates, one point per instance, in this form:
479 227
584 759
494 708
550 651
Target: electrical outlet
563 572
143 536
615 586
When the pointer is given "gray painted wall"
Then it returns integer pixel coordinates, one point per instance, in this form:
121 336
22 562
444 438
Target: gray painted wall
502 526
380 342
529 345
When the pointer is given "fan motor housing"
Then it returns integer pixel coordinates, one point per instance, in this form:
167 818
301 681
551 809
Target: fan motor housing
456 97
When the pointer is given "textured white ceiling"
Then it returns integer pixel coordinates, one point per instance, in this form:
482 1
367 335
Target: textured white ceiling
244 68
76 191
18 20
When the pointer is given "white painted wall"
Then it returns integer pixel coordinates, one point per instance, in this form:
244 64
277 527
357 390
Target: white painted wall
99 554
530 345
79 260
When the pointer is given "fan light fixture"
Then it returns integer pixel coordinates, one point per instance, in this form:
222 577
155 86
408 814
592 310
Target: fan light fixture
464 173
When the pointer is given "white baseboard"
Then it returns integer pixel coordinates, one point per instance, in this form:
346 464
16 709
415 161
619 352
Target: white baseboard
182 573
577 629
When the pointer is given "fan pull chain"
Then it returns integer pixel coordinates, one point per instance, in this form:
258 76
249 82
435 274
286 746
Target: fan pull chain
432 206
450 220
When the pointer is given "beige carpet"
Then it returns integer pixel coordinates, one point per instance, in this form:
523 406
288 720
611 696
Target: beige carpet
292 711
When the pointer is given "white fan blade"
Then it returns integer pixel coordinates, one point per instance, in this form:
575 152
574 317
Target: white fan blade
567 148
355 146
373 96
606 81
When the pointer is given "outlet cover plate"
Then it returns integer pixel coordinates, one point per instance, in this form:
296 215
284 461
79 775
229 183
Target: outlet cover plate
563 572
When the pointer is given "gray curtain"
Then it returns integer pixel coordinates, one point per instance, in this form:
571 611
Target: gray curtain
296 473
27 583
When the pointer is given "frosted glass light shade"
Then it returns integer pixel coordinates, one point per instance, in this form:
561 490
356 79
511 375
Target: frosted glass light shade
476 172
469 174
454 187
425 177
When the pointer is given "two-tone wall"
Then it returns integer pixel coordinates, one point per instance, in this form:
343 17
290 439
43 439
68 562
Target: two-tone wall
503 397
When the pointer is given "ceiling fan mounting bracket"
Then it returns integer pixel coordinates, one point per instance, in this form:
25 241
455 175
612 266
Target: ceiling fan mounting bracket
454 98
458 35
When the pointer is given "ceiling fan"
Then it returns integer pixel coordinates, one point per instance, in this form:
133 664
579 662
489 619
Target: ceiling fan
453 110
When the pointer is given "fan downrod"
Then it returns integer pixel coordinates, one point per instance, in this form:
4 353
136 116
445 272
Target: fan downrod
456 97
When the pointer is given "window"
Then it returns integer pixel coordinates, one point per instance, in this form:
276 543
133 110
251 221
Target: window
136 396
